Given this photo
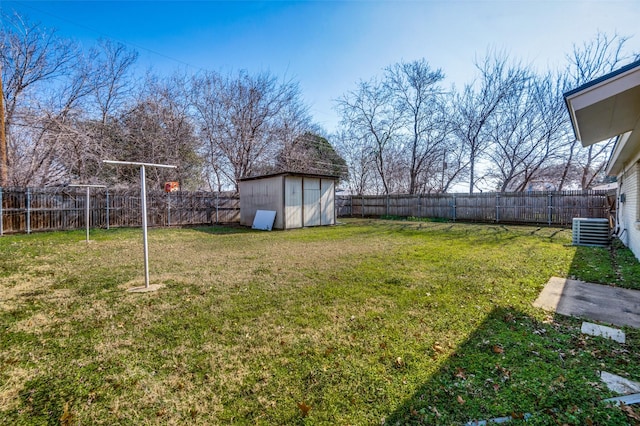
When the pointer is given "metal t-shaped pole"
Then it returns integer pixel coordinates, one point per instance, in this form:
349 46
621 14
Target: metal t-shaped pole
143 196
86 210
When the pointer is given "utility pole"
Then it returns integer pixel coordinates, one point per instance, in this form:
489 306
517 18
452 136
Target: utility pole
4 164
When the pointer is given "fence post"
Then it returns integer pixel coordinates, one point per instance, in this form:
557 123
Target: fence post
386 210
87 214
1 214
107 209
549 207
453 210
419 206
28 212
168 208
362 206
218 207
497 207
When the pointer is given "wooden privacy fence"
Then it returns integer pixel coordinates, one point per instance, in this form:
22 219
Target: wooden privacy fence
551 208
49 209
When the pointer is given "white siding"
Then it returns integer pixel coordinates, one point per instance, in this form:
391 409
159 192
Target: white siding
293 202
628 211
327 202
311 201
261 194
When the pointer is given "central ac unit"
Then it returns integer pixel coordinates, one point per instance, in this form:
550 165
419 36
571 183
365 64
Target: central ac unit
590 232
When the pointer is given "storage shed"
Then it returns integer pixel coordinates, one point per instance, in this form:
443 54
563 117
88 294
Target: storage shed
298 199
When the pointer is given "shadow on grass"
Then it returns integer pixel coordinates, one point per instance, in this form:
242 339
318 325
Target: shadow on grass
594 265
514 365
614 265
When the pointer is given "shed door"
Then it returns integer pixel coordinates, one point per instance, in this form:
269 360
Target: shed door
327 202
311 201
293 202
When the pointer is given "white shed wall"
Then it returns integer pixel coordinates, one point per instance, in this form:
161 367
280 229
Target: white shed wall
311 200
327 202
293 202
261 194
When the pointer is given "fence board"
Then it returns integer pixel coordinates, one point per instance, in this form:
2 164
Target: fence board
49 209
552 208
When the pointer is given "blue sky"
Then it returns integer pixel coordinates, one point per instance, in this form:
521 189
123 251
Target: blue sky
329 45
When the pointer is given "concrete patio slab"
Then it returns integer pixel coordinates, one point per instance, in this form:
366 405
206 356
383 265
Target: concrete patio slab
592 329
612 305
626 400
619 384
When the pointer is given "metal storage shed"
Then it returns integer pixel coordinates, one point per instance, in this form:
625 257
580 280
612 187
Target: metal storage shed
298 199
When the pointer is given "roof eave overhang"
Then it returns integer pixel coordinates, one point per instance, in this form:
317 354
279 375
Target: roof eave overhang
614 165
606 107
625 153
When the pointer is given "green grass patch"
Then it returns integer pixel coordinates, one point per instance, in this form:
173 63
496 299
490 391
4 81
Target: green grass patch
615 265
393 322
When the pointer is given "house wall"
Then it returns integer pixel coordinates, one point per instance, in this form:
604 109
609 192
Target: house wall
262 194
629 211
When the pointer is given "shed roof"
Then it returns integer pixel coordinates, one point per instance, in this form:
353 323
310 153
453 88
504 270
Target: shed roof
300 174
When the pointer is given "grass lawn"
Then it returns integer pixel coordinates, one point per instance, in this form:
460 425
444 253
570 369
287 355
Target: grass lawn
371 322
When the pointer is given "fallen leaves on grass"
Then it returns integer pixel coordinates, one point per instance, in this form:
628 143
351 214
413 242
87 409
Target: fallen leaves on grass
460 373
498 349
504 373
304 408
67 418
509 318
439 349
630 412
460 400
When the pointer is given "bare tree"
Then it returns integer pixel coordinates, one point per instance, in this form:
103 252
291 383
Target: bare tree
479 102
245 119
113 84
359 159
454 167
419 99
527 133
159 129
31 56
368 113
